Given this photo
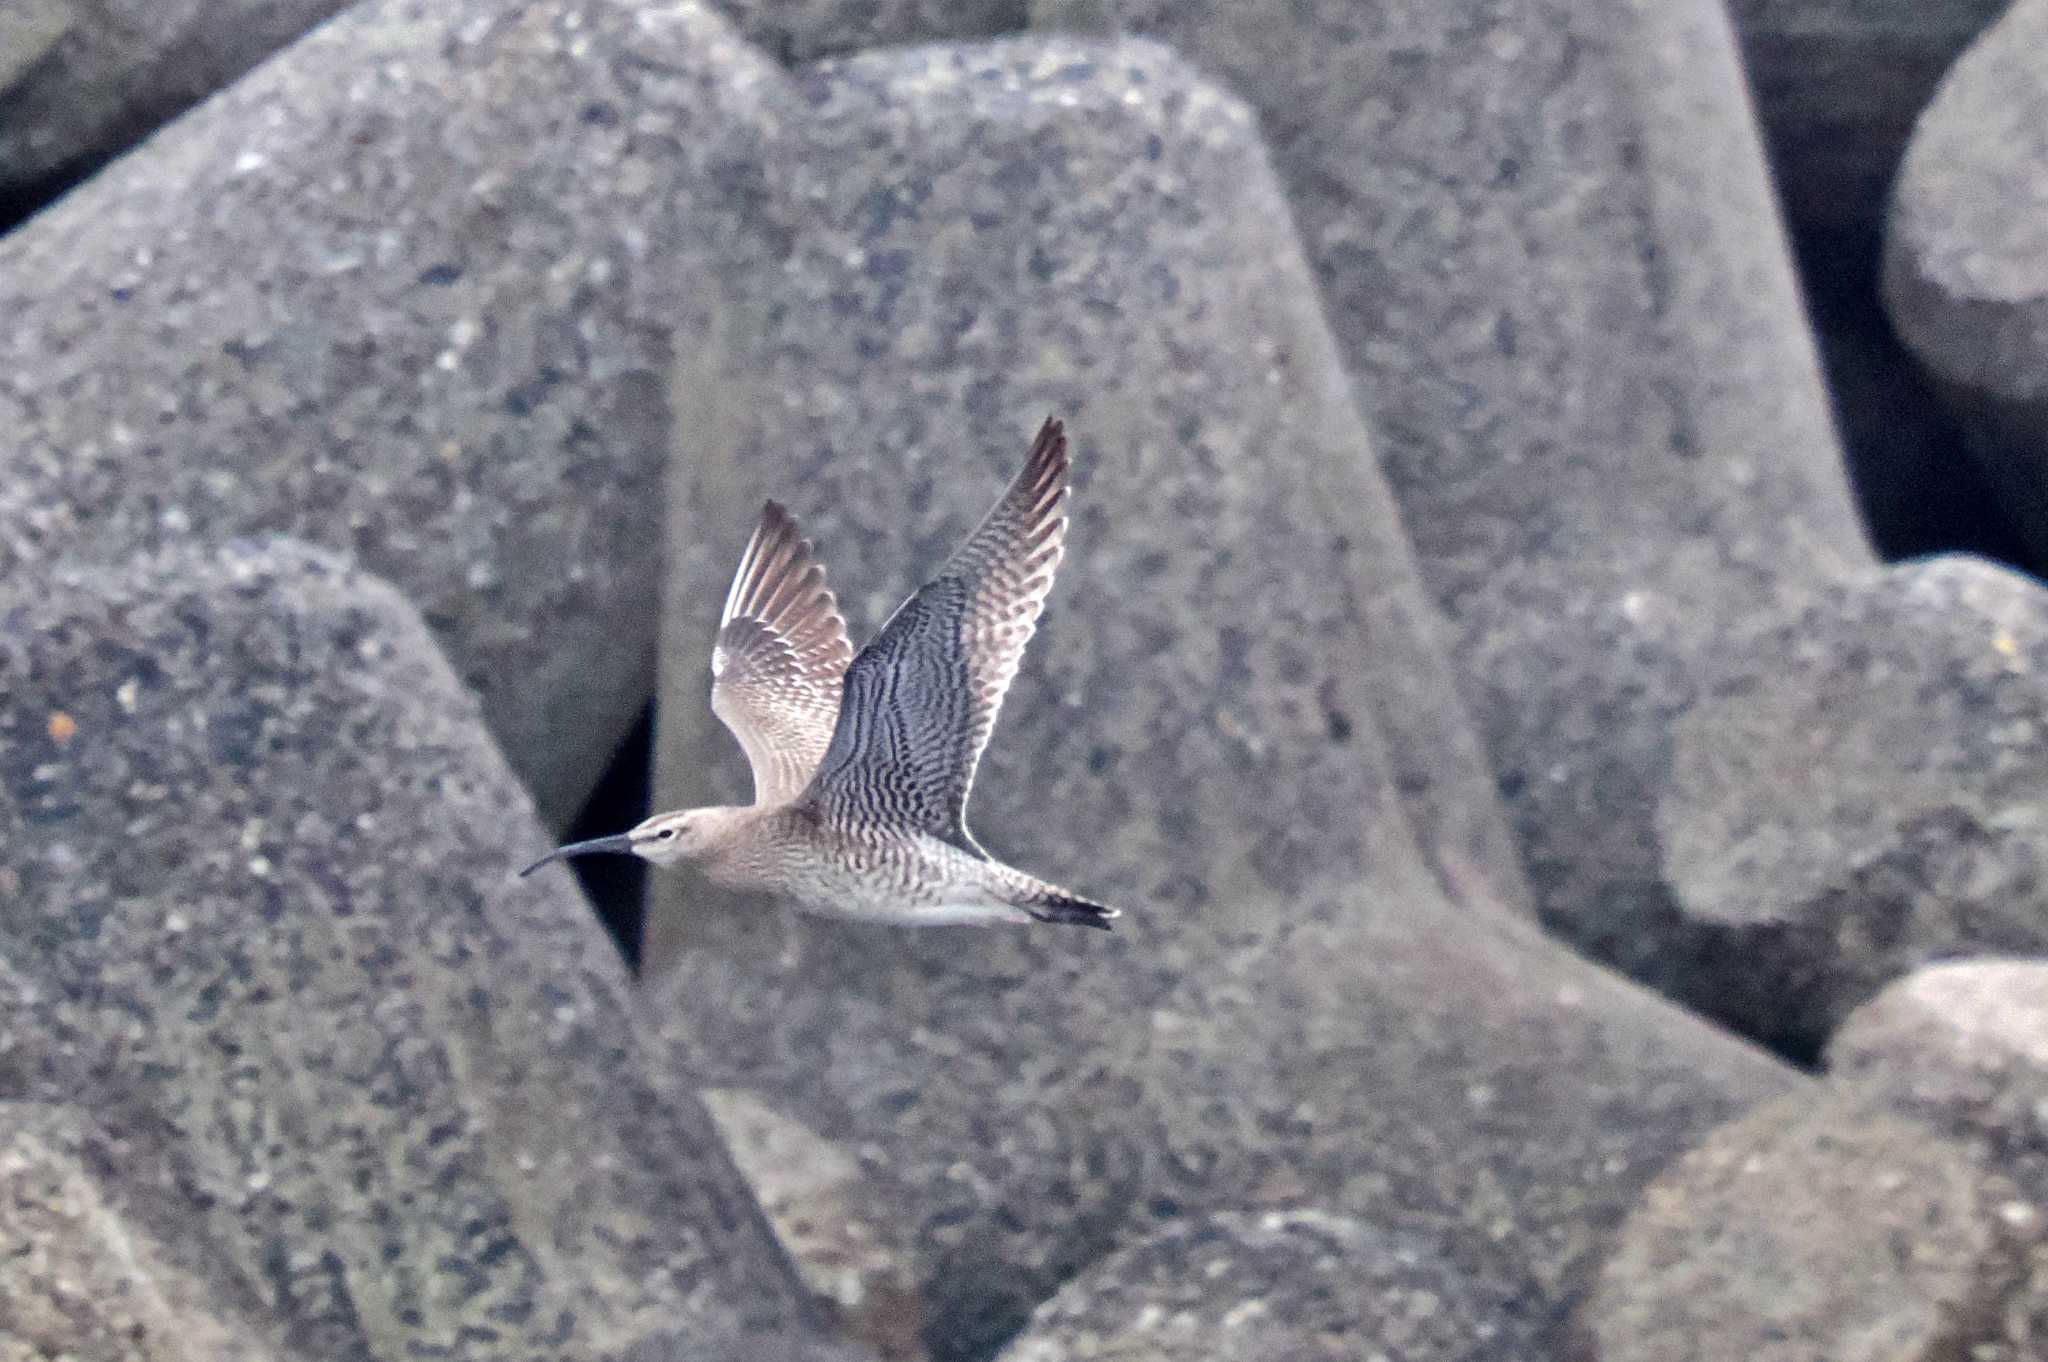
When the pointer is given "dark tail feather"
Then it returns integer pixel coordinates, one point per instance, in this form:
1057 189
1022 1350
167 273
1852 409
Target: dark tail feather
1058 907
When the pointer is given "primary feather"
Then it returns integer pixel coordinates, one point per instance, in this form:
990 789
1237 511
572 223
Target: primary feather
921 700
778 664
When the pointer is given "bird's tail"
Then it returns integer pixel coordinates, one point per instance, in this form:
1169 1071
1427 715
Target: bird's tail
1057 905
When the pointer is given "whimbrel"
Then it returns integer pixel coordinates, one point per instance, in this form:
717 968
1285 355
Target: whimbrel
862 765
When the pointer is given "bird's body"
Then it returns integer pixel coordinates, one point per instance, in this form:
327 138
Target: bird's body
863 873
862 765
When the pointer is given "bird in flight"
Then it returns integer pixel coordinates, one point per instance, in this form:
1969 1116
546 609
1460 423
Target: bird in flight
862 765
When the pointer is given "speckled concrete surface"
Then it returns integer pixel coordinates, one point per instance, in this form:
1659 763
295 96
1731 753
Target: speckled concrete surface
1871 805
803 30
1290 1012
1966 253
82 79
406 291
262 889
465 291
1544 237
1280 1287
1963 1046
1817 1230
80 1279
1140 280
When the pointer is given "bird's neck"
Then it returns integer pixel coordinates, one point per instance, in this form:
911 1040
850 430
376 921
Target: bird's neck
725 819
734 843
722 831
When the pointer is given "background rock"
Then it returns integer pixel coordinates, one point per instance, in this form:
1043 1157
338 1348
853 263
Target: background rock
1964 1048
1813 1231
1871 806
289 1067
80 1281
804 30
834 1214
29 31
1546 241
407 291
1917 485
1966 260
1838 84
1289 1013
82 79
981 375
262 895
1280 1287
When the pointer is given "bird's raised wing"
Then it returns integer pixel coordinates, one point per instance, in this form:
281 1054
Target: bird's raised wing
921 699
778 666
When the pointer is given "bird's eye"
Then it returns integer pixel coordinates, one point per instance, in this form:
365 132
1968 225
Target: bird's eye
665 834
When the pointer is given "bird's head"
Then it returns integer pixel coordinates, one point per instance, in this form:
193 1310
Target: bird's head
662 839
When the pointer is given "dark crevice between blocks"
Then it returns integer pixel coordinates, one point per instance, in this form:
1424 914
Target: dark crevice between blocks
19 203
617 885
1916 486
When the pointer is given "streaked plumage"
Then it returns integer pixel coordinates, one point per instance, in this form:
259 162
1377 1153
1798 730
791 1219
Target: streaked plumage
863 764
780 659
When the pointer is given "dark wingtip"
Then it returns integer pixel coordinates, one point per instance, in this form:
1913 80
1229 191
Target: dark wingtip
1075 912
776 522
1052 436
1047 462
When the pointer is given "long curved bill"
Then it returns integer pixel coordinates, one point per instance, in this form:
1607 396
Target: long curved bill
621 843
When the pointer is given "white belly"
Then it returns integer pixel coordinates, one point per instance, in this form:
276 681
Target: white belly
899 914
928 884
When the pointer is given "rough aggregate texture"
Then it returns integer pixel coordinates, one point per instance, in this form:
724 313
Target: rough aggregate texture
1966 254
1281 1287
1870 806
798 31
982 383
1814 1230
834 1214
79 1280
82 79
1290 1013
29 30
407 291
264 919
1838 85
1963 1047
1544 236
292 1068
